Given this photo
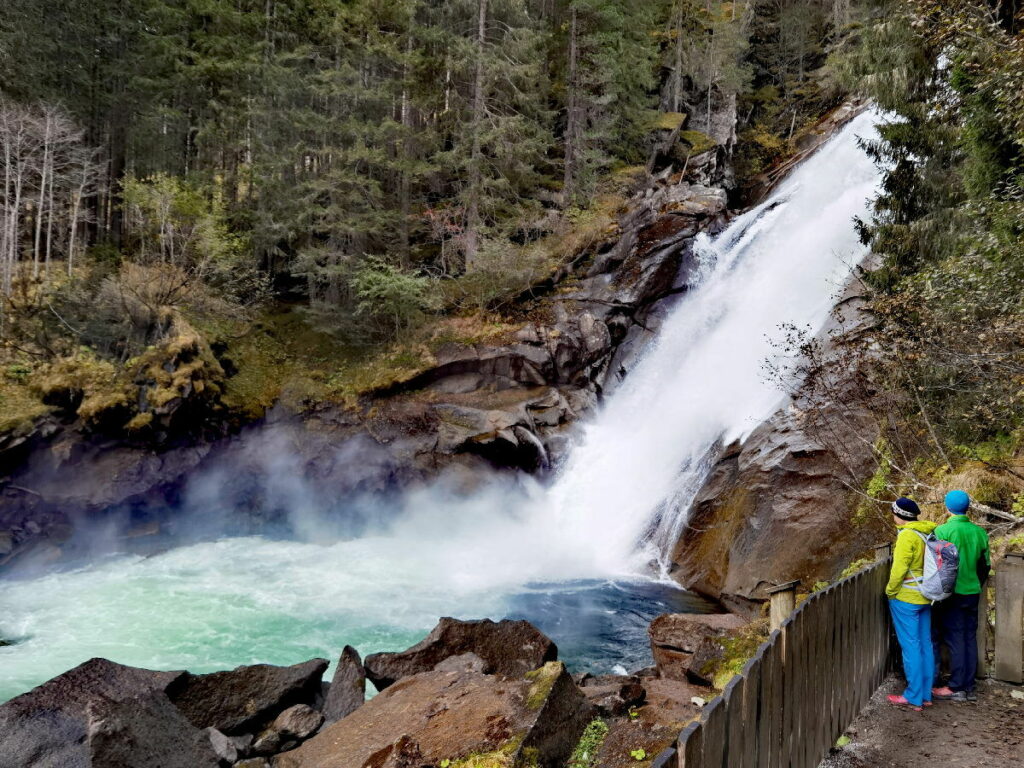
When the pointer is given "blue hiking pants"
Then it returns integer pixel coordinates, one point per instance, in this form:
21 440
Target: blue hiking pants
913 625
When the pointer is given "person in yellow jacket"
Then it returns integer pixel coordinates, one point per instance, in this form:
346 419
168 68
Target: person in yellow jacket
911 611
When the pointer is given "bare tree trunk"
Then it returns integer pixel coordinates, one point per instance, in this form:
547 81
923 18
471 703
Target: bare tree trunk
47 152
677 75
572 127
404 193
5 137
475 174
49 227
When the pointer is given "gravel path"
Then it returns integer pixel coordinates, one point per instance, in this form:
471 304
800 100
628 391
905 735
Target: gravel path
987 733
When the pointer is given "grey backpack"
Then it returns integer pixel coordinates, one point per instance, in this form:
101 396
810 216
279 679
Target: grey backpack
941 562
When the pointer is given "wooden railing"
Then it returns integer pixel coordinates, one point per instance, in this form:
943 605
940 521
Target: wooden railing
802 688
815 673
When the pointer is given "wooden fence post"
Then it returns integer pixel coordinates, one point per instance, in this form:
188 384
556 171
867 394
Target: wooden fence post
882 552
1010 619
782 602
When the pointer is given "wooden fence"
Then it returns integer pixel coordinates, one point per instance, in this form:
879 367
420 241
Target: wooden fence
814 674
802 688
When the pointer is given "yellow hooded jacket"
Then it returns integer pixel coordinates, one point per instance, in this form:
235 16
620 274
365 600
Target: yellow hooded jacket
908 561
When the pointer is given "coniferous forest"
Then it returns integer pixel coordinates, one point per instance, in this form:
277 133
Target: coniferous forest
371 160
317 184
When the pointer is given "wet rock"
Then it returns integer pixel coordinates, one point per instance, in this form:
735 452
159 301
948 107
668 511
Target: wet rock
47 727
404 753
348 688
223 746
780 507
143 732
448 715
298 722
507 648
614 695
247 698
685 644
466 662
253 762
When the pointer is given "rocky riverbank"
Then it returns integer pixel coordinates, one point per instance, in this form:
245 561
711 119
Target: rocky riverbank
473 694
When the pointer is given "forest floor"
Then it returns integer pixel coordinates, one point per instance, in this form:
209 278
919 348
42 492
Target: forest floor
989 732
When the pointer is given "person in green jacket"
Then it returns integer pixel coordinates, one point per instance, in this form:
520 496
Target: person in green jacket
959 615
911 611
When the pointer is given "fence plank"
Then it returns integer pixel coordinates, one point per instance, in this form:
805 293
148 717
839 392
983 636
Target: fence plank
691 745
733 695
748 715
790 665
775 703
714 734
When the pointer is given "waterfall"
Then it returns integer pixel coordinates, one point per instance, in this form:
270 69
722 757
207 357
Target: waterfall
573 555
640 463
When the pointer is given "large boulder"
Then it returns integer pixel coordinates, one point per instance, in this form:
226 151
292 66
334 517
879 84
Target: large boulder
507 648
784 504
143 732
435 716
348 688
47 727
685 645
247 698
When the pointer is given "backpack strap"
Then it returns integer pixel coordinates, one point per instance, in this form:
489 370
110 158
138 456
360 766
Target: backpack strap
910 581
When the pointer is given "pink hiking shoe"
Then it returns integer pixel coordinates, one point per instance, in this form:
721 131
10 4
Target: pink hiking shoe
942 693
900 701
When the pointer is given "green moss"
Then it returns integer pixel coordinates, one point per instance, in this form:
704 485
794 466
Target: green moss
542 680
20 406
503 757
737 650
697 142
667 121
589 745
878 484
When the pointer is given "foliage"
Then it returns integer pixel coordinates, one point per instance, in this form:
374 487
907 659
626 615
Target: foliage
390 299
948 227
587 748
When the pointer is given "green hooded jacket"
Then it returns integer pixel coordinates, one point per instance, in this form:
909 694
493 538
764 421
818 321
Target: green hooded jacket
971 544
907 561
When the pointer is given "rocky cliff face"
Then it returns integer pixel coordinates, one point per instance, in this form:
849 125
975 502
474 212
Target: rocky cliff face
786 503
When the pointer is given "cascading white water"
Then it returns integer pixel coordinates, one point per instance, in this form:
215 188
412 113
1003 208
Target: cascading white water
781 263
573 556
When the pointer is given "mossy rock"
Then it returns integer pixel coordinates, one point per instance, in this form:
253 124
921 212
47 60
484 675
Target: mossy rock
667 121
693 143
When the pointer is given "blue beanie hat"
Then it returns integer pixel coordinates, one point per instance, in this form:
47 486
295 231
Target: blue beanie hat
906 509
958 502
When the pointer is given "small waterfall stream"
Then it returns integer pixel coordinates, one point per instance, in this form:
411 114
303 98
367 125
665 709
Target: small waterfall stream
573 556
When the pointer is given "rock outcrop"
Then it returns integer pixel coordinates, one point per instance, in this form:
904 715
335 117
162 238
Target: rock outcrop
506 649
783 505
348 687
247 698
48 726
687 646
146 730
434 716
